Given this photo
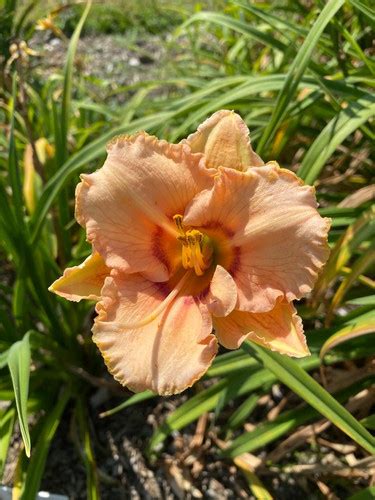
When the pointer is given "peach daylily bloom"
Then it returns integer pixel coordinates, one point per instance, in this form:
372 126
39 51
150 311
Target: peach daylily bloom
193 244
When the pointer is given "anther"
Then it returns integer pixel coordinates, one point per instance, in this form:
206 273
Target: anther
178 221
195 248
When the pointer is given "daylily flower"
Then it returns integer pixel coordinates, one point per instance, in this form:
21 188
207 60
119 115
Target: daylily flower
190 239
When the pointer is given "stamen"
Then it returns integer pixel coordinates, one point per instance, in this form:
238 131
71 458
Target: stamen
196 249
178 221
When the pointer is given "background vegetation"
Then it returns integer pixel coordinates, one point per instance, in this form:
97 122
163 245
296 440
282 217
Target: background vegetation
301 74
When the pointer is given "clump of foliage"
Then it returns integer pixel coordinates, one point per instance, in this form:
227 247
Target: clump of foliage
301 77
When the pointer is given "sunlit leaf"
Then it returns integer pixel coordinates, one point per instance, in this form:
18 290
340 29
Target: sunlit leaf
338 129
19 367
364 326
297 379
296 71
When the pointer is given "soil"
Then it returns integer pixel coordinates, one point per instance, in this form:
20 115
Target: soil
181 470
116 61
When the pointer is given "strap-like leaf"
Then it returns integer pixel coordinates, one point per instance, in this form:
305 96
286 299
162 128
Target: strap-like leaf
296 71
19 367
299 381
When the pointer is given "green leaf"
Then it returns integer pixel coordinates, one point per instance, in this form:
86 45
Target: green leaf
227 389
338 129
92 480
6 430
236 25
364 9
4 358
291 374
133 400
296 71
38 458
241 413
14 172
369 422
19 367
68 78
364 262
231 362
256 486
363 326
204 401
266 432
361 230
366 494
362 301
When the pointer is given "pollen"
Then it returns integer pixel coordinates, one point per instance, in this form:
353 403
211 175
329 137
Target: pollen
196 248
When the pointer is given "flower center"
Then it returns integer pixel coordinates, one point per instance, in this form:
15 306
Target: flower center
196 248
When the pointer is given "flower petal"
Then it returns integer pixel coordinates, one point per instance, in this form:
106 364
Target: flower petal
225 141
279 330
127 206
168 353
82 282
278 239
222 295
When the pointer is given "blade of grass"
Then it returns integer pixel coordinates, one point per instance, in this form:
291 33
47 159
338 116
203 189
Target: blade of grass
38 459
230 362
19 367
14 172
4 359
359 267
7 419
335 132
241 413
364 9
267 432
296 71
68 79
207 400
258 489
236 25
133 400
366 494
363 326
92 480
300 382
361 230
61 142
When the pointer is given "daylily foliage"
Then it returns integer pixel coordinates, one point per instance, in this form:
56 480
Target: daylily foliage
193 244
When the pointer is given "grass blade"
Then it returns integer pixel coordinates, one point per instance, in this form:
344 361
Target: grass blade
19 367
38 459
300 382
337 130
207 400
268 431
360 266
92 479
363 326
6 430
296 71
133 400
68 76
362 229
364 9
236 25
